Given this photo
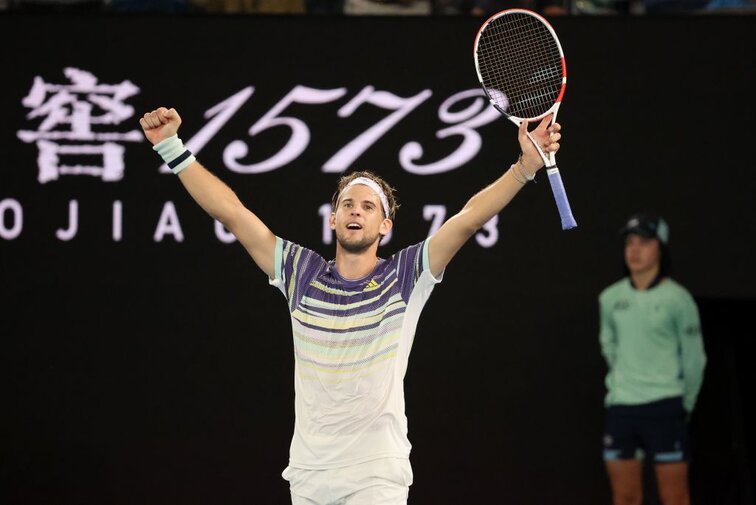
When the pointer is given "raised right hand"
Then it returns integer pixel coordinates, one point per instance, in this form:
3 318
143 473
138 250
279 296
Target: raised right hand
160 124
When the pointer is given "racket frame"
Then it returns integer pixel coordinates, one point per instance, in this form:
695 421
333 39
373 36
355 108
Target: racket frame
568 221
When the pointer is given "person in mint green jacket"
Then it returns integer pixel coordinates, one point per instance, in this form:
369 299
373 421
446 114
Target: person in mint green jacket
651 338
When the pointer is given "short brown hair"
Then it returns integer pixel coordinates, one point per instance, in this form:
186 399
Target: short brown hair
393 204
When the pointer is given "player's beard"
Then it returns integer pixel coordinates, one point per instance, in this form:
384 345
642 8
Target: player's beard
358 245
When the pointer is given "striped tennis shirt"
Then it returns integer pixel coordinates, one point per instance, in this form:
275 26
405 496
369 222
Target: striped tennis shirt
352 340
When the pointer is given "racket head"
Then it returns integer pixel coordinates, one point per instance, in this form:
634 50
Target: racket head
520 64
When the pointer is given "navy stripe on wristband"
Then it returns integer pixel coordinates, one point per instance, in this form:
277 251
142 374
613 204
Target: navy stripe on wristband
173 164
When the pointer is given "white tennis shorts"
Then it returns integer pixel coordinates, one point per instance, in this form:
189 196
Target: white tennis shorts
384 481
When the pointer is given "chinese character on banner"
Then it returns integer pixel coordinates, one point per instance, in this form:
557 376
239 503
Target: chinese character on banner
76 125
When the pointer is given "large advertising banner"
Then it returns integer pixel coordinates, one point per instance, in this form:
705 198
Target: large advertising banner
147 359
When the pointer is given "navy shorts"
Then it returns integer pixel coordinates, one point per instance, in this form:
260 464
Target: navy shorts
657 430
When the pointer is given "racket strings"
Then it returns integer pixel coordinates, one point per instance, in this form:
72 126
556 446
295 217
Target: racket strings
520 65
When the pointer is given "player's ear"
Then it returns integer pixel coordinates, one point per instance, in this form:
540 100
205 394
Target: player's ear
386 226
332 220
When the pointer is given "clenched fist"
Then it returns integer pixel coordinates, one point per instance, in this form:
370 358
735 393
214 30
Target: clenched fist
160 124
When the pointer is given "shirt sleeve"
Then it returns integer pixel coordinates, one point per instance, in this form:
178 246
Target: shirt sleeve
692 353
411 263
607 335
295 266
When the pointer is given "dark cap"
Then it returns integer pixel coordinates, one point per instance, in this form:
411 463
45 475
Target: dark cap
647 225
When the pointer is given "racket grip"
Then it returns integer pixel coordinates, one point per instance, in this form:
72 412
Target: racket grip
565 213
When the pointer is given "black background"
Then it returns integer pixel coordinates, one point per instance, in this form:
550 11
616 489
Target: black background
161 372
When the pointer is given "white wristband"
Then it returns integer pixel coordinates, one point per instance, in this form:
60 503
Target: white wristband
175 155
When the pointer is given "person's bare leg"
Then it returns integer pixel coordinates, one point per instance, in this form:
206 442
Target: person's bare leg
672 481
626 477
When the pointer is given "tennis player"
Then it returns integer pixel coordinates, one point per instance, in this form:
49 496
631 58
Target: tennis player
353 318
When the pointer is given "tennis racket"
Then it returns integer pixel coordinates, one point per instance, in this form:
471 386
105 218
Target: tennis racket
520 65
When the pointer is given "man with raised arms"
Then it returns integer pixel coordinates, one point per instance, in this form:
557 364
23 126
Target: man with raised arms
353 318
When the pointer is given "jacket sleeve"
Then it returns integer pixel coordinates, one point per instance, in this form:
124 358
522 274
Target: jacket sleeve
607 336
692 353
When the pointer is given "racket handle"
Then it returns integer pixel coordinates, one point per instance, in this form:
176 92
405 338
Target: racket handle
565 213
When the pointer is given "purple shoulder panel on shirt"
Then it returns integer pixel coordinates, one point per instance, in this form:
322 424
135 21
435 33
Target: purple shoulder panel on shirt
409 265
303 266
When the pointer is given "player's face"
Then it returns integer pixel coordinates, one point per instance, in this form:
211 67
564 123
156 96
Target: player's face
642 254
358 219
